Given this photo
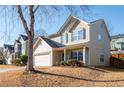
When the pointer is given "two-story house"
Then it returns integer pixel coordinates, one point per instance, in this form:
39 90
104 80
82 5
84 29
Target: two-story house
8 50
88 42
117 42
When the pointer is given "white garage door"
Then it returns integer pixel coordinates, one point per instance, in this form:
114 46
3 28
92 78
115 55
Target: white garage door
42 60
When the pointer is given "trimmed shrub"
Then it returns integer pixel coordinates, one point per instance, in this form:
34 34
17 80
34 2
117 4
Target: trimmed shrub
72 62
16 62
24 59
57 63
64 63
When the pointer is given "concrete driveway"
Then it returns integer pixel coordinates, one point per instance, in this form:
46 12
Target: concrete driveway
10 69
7 68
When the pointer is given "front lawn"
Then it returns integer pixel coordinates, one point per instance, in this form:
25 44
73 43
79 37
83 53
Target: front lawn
65 77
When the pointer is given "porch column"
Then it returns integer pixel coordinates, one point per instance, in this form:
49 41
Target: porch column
64 54
84 54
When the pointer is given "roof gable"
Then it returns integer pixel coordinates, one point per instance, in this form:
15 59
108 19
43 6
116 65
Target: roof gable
105 26
51 43
107 31
9 47
69 24
16 41
24 37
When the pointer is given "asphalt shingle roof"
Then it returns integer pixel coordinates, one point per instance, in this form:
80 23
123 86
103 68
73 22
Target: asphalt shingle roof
17 41
10 47
52 43
117 36
24 37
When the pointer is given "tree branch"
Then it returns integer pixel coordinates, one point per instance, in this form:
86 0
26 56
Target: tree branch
31 20
36 8
23 19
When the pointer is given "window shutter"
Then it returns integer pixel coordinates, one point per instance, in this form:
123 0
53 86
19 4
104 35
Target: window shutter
66 38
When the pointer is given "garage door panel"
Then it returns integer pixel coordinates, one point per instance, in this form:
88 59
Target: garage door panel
42 60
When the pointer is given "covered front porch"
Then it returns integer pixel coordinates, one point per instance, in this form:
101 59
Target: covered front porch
79 52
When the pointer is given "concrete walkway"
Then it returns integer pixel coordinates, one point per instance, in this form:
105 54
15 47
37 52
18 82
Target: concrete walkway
10 69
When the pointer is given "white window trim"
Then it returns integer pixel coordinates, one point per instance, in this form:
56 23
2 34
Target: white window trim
100 58
77 36
66 38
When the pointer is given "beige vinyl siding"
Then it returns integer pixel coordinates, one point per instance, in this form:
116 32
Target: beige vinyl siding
57 39
98 47
42 47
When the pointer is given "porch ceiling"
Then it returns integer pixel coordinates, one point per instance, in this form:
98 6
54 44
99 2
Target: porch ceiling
70 47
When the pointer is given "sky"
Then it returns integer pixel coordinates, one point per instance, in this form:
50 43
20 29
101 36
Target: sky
113 16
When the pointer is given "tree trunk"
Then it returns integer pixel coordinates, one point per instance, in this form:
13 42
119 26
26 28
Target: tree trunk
29 66
30 33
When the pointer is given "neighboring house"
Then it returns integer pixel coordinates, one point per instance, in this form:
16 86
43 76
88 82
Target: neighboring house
17 48
23 39
76 39
21 46
117 42
8 51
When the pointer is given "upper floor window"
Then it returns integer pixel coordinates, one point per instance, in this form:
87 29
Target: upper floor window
78 35
99 37
74 36
64 38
